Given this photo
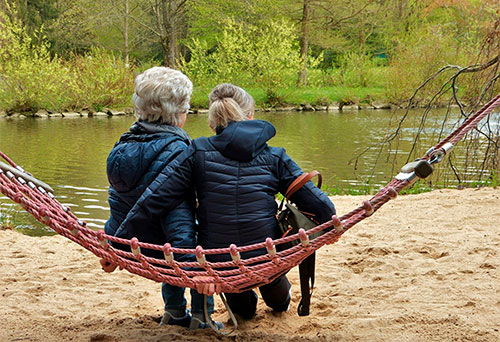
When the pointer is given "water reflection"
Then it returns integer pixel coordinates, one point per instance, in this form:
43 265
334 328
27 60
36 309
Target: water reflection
70 155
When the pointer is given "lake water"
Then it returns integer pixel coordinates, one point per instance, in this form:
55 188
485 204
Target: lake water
70 153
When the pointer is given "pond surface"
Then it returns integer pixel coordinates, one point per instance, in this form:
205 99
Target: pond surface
70 153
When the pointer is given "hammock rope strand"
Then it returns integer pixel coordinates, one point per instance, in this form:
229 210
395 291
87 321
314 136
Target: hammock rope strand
233 276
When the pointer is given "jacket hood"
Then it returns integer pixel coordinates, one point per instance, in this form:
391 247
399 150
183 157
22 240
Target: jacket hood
132 157
143 127
243 140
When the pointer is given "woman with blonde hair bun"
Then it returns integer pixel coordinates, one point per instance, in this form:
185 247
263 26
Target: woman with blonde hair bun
236 176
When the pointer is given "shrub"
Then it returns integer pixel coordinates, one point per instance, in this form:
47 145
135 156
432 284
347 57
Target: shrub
30 78
99 79
422 54
358 70
265 55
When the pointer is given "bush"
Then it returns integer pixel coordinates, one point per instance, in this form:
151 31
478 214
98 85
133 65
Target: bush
422 54
32 79
99 79
248 55
358 70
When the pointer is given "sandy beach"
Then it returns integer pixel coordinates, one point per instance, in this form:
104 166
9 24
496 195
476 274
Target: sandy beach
423 268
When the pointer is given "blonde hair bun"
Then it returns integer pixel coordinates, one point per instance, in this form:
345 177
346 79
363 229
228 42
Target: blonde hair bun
229 103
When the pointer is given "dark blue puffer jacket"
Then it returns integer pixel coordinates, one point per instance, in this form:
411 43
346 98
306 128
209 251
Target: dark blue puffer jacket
236 176
133 163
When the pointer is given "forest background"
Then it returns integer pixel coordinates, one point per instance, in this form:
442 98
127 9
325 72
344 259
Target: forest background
84 54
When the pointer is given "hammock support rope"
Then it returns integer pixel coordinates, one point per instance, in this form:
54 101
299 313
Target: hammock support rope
232 276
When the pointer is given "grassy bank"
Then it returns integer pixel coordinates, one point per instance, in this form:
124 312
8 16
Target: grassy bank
315 96
302 95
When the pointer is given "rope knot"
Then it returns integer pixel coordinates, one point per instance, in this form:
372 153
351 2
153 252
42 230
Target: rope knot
304 239
337 224
235 255
367 206
167 252
392 192
271 249
18 197
75 229
134 246
200 256
102 241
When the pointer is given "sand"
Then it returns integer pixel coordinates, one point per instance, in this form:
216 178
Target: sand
423 268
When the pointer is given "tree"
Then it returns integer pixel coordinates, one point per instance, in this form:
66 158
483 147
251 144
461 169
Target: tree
121 32
73 30
170 22
322 23
161 21
246 54
304 42
207 18
465 88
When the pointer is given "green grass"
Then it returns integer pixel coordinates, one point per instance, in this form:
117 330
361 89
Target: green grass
421 186
418 188
12 218
7 217
324 95
301 95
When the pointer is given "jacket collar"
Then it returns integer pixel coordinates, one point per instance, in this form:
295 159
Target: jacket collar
243 140
152 127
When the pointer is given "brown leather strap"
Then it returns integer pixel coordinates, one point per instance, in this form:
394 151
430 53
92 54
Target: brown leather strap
301 181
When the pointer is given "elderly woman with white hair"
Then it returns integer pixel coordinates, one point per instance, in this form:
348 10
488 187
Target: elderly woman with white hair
236 176
161 102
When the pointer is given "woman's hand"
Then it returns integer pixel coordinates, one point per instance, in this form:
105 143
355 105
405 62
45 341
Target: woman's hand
207 289
107 266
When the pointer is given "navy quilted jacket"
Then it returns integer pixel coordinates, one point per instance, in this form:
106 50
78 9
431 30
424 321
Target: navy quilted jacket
133 163
236 176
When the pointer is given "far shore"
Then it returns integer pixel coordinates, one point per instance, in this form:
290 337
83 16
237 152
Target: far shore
104 112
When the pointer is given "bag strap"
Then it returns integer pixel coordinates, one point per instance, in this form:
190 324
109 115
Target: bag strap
306 274
298 183
307 266
301 181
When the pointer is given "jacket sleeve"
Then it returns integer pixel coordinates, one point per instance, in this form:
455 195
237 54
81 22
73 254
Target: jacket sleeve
170 188
179 229
308 198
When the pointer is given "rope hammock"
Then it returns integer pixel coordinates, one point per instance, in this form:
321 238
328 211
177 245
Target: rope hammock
234 276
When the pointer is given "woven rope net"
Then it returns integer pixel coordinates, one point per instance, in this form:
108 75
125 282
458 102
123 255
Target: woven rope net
233 276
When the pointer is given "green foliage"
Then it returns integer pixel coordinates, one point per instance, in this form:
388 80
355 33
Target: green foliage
49 60
263 55
358 70
419 187
491 181
426 50
324 95
29 74
7 217
208 18
98 78
33 79
200 68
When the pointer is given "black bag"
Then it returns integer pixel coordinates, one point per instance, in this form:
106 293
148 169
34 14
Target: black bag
290 220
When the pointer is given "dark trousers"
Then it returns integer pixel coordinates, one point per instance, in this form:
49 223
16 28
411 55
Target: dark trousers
276 295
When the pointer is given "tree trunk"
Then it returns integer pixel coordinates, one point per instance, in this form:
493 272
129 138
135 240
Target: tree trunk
172 17
125 34
304 43
172 46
